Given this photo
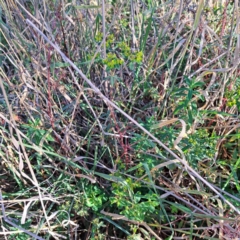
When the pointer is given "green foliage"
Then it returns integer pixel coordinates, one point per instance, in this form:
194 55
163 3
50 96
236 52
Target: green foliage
190 145
99 37
95 197
193 152
21 235
233 95
101 165
125 49
186 106
92 197
131 202
96 230
112 61
37 133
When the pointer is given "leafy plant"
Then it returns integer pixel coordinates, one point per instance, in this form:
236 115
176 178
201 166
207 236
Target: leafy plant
187 99
233 95
38 134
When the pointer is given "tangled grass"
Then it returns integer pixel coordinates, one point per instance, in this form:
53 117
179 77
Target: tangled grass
119 119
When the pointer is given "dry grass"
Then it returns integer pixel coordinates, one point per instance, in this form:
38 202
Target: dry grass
143 144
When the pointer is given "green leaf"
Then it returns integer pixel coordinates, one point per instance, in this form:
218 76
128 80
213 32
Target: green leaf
181 105
174 209
112 178
198 14
144 37
180 207
197 84
190 94
190 117
116 225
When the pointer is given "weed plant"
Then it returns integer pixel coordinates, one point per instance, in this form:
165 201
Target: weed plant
119 119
